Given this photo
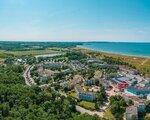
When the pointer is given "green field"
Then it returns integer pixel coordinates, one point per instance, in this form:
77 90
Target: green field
87 105
73 94
108 115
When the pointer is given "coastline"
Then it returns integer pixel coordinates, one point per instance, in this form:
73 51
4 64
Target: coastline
141 63
115 53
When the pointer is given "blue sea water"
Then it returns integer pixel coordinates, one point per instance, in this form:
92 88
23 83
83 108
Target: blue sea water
131 49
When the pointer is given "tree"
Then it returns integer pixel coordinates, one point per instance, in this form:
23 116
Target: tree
4 109
117 106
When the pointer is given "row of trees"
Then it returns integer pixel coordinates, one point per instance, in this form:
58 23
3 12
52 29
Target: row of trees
100 97
20 46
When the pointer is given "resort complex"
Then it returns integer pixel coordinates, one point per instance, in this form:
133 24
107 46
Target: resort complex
78 80
90 80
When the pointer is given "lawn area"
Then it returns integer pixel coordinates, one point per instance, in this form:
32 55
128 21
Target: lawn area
73 94
87 105
108 115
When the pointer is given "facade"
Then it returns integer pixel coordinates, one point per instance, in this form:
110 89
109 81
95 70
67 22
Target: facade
83 95
139 103
131 113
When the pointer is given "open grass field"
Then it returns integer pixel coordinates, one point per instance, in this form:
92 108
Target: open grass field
87 105
108 115
73 94
142 64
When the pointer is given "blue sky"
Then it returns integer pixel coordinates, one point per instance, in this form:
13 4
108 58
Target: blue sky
75 20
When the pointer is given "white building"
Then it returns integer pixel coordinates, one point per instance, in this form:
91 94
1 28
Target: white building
148 97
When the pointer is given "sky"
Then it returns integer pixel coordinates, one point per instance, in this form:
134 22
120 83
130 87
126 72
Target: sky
75 20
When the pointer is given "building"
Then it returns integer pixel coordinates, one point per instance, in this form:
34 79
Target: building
131 113
83 95
120 79
122 85
138 102
122 82
148 97
135 91
89 82
140 106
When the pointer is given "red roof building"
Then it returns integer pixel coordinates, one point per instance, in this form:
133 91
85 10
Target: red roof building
122 85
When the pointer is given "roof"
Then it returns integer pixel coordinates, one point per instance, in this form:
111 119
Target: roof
137 89
134 98
123 78
80 90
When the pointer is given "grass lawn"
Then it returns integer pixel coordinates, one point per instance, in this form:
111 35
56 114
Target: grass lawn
87 105
108 115
73 94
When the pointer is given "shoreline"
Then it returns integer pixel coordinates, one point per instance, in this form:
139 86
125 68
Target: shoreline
140 63
113 53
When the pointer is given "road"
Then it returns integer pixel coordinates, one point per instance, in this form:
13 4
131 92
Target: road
28 79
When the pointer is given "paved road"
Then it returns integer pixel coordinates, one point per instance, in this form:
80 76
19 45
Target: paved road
28 79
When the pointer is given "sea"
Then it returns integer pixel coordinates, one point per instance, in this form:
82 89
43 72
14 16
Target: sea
123 48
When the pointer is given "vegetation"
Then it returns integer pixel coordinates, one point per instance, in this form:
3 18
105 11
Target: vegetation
108 115
101 96
87 105
75 55
19 101
11 74
22 102
141 64
15 46
147 117
86 117
117 106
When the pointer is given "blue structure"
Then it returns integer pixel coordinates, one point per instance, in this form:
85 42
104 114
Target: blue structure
86 96
138 92
83 95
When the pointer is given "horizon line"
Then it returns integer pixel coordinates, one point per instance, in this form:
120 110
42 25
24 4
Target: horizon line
74 41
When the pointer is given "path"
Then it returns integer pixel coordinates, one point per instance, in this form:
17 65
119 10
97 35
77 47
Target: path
83 111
